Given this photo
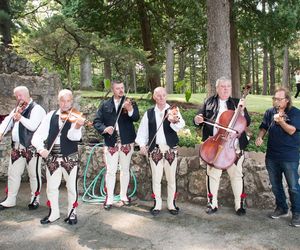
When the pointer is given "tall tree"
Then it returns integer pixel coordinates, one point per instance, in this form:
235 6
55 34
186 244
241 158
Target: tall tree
218 38
5 23
285 73
85 70
170 67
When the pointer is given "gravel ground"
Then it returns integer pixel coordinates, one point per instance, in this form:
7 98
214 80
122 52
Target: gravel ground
134 228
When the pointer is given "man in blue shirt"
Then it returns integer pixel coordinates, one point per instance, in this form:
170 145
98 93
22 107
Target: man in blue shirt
282 123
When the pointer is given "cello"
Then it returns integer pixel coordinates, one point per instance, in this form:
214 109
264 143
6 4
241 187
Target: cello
219 150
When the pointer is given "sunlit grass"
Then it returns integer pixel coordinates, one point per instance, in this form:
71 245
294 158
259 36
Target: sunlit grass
254 103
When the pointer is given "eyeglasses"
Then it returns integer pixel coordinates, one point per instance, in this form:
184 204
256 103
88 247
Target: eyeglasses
277 99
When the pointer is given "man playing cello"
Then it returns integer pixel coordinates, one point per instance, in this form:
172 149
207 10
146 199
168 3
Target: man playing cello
212 109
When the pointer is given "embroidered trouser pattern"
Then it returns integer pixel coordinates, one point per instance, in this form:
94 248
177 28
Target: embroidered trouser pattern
20 158
162 158
120 155
236 179
58 167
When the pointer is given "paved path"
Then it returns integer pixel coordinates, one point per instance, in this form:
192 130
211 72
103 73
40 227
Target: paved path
134 228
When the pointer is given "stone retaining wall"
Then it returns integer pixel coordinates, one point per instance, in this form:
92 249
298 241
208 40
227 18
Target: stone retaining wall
191 175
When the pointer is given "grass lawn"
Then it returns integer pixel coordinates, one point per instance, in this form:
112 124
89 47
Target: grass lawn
254 103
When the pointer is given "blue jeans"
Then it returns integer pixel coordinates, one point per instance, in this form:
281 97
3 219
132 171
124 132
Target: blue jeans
290 171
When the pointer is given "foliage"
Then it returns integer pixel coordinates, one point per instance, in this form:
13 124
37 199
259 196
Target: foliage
188 95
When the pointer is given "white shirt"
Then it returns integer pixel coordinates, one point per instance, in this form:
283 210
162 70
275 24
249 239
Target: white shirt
297 78
143 131
36 116
222 108
43 131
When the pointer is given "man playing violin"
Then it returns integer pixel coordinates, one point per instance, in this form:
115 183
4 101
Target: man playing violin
23 121
61 154
212 109
157 138
282 123
114 121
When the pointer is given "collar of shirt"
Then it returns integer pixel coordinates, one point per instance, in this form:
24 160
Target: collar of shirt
156 109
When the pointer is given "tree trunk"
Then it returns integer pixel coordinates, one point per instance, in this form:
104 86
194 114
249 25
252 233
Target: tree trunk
152 72
193 72
286 73
265 72
132 77
256 72
272 72
181 64
249 69
218 40
5 23
235 56
170 67
85 71
254 89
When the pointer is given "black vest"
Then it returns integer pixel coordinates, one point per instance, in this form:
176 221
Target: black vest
170 134
25 135
67 146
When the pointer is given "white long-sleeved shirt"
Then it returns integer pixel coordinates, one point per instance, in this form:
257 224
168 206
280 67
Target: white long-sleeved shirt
36 116
42 132
143 131
297 78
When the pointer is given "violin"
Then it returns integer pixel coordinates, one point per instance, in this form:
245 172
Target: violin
219 150
173 114
128 100
21 107
72 116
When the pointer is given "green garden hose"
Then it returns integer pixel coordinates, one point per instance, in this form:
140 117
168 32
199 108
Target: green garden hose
90 195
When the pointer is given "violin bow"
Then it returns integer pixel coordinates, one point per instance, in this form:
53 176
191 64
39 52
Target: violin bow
164 118
120 110
11 117
215 124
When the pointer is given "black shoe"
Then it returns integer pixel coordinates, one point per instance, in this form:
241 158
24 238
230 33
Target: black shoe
279 212
241 212
173 211
72 220
295 222
33 206
3 207
154 212
107 207
210 210
46 220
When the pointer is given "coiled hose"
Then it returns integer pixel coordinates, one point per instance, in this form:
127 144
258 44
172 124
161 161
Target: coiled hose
90 194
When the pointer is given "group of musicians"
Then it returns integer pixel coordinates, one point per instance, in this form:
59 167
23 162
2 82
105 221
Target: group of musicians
54 137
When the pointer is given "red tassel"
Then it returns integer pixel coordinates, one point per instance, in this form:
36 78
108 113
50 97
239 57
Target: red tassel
176 195
48 203
37 193
243 195
210 195
153 196
75 204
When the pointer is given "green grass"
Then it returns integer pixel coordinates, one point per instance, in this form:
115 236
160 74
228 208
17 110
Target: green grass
254 103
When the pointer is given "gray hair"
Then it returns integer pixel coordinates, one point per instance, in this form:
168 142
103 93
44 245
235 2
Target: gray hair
222 79
65 92
22 89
